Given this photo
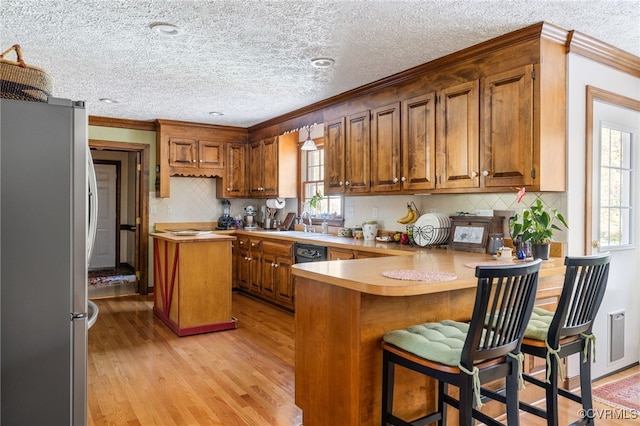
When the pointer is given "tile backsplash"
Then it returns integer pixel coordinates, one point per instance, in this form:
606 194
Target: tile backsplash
194 200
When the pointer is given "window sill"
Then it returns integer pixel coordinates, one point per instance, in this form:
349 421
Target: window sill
330 222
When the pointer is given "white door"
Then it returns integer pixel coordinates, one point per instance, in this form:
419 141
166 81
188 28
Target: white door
104 249
615 229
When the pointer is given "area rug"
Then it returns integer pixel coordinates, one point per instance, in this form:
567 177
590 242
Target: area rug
623 393
111 280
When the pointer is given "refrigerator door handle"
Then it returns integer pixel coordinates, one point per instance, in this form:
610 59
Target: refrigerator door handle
93 206
77 316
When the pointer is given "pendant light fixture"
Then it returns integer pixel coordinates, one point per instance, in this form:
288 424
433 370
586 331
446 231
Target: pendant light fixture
309 144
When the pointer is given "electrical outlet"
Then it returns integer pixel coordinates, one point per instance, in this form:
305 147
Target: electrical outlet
153 209
374 213
169 210
351 212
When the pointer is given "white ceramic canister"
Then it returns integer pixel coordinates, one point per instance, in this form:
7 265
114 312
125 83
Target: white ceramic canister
370 230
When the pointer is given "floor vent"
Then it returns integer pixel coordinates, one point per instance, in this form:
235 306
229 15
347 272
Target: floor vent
616 336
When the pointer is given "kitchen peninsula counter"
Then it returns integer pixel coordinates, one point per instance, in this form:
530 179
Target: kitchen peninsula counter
192 282
343 308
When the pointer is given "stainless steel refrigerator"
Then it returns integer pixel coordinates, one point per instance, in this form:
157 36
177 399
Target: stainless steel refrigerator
44 214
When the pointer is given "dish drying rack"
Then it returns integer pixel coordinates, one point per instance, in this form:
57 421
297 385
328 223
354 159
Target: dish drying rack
435 236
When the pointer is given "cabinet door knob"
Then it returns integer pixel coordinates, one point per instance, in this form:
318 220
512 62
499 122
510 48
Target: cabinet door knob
346 183
201 161
194 161
474 174
341 183
228 189
404 179
485 173
395 180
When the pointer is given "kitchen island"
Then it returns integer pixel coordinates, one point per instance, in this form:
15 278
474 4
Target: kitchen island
343 308
192 281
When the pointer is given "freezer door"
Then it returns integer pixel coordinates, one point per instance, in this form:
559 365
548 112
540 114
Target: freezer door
79 371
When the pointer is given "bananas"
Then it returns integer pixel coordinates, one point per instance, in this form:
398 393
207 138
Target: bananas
411 216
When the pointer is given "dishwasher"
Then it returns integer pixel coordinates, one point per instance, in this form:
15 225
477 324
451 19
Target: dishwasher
305 253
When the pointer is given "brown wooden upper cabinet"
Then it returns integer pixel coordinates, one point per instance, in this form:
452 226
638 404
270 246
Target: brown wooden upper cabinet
233 183
347 155
272 167
192 149
435 145
507 157
263 160
418 143
458 136
197 157
386 168
473 136
334 160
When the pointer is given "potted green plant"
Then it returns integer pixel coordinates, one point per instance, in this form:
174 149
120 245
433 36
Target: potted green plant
536 224
315 200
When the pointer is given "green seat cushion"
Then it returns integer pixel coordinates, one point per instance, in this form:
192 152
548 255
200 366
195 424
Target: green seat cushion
538 327
436 341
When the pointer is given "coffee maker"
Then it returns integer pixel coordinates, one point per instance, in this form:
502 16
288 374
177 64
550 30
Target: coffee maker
250 217
226 221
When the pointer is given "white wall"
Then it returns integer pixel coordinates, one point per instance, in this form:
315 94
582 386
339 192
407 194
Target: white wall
624 277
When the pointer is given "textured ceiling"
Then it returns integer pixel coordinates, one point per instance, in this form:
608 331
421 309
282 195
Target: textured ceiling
251 59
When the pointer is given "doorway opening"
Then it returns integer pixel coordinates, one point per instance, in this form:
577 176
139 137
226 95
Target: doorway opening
119 264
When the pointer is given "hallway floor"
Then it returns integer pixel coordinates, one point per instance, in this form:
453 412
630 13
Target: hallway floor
111 282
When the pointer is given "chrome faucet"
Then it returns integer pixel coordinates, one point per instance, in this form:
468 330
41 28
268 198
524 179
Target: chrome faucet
309 227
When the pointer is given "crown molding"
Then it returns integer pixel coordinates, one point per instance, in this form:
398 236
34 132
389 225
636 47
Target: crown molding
121 123
599 51
162 122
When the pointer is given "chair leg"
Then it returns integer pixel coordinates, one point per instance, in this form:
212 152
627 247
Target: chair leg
585 386
552 393
465 405
388 370
513 413
442 407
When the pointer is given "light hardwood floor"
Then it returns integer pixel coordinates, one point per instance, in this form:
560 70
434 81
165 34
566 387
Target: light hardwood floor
141 373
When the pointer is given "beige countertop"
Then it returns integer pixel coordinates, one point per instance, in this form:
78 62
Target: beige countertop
365 275
186 238
328 240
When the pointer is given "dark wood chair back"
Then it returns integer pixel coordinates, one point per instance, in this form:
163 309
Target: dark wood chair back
503 306
585 282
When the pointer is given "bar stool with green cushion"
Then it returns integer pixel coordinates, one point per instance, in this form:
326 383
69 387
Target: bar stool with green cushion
467 355
567 331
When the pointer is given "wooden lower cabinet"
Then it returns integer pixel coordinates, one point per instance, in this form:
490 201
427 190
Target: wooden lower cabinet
345 254
255 266
264 269
340 254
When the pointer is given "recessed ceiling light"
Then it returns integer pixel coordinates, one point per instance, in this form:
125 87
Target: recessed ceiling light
322 62
165 29
108 101
216 113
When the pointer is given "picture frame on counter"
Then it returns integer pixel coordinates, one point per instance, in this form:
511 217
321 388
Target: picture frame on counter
471 233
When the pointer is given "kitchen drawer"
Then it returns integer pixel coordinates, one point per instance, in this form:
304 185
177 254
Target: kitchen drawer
243 242
280 248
